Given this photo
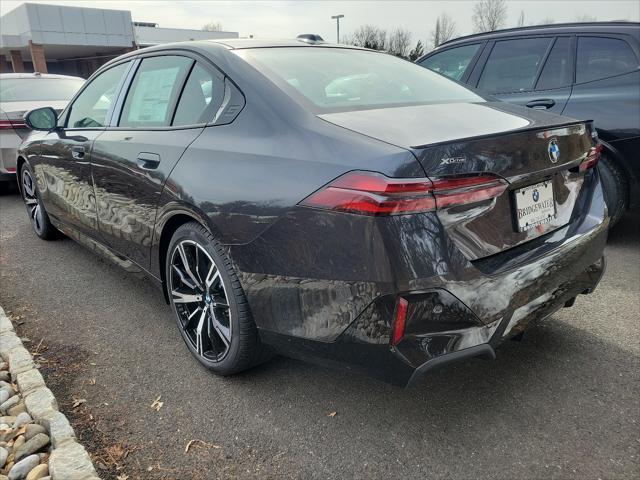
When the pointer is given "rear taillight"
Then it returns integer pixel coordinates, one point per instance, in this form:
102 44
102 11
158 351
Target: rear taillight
14 120
592 158
371 193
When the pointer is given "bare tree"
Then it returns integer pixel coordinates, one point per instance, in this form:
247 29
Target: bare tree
417 52
398 42
212 27
489 15
586 18
521 19
445 30
368 36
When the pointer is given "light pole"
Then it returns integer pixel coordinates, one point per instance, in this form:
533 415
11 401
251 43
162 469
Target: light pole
337 19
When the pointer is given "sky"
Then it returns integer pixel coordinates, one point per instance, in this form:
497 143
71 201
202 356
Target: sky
287 19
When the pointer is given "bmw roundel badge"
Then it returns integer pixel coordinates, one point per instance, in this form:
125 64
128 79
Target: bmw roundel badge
535 195
554 150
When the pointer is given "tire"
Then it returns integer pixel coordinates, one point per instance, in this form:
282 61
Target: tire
615 188
223 339
35 209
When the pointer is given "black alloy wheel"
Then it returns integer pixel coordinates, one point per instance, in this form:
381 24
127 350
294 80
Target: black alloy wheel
209 303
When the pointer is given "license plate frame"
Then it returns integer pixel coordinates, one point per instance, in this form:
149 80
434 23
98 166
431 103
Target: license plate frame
530 211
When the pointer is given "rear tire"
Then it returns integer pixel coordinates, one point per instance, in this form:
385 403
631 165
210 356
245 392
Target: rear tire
35 209
210 306
615 188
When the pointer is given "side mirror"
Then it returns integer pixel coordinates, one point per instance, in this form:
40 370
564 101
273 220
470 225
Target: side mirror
44 118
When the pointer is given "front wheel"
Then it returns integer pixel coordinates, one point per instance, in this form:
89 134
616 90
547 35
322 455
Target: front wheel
35 209
210 306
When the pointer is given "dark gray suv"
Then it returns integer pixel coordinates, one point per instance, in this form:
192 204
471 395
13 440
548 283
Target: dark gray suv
580 70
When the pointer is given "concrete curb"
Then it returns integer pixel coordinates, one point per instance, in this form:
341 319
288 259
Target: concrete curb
69 460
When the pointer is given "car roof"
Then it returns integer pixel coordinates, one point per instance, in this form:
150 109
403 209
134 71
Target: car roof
239 43
632 28
38 75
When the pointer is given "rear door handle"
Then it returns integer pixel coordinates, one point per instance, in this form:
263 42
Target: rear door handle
148 161
542 103
77 153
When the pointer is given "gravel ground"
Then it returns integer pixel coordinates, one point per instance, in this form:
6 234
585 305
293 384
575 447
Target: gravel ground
563 403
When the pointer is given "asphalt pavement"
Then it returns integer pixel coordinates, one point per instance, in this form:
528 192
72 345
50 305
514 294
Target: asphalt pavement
562 403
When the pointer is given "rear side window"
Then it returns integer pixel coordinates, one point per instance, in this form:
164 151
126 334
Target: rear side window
154 92
453 62
600 57
513 65
199 98
557 69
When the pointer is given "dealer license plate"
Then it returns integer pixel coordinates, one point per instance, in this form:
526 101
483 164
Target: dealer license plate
534 205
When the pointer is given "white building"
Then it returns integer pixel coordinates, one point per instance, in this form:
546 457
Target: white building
77 40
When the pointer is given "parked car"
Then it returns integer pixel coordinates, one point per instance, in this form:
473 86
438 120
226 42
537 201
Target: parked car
389 225
581 70
19 93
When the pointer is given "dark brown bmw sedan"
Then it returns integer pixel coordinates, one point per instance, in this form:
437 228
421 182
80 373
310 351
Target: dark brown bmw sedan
321 201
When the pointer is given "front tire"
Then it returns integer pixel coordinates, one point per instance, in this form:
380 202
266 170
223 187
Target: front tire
615 189
35 209
209 304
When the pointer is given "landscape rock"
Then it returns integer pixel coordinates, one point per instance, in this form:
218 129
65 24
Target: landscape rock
29 381
5 376
39 472
7 404
71 462
21 469
17 409
32 446
19 361
5 394
4 453
59 428
41 403
8 341
22 419
32 429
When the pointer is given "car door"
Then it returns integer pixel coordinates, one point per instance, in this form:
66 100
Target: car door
63 170
170 98
535 72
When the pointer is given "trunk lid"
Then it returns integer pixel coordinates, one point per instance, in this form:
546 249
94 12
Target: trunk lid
537 153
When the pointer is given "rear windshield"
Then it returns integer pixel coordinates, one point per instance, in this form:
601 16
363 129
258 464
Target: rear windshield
38 89
339 79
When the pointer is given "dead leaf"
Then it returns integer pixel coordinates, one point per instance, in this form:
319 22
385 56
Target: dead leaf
157 404
195 442
78 401
332 414
123 477
92 381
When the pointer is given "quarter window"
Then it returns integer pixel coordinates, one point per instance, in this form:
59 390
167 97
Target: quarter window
453 62
513 65
557 69
600 57
198 99
91 107
154 92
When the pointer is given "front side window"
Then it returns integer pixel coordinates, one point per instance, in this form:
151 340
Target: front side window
197 101
600 57
329 79
154 92
513 65
90 108
453 62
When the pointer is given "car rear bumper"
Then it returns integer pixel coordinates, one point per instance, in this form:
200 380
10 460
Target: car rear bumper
457 308
9 143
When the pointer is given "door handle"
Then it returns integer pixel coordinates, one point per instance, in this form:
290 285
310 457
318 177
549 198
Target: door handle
542 103
77 153
148 161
